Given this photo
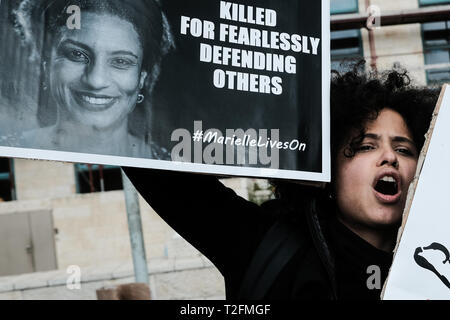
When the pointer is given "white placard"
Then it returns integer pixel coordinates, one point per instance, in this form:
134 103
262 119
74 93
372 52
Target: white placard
421 267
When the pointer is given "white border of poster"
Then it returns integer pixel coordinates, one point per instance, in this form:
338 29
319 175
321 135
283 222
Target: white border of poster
323 176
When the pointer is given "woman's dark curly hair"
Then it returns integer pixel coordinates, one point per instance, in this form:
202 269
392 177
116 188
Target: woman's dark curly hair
357 98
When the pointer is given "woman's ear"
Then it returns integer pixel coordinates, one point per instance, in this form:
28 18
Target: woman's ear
142 79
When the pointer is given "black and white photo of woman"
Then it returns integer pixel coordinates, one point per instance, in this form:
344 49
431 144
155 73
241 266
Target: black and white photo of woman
96 80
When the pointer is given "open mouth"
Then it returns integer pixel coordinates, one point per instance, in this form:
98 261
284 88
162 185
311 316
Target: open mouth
387 187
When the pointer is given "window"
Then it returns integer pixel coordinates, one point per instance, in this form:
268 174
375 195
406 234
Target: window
97 178
432 2
343 6
7 185
436 48
346 45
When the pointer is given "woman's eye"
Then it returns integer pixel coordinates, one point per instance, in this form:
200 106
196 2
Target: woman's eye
405 151
78 56
365 147
122 63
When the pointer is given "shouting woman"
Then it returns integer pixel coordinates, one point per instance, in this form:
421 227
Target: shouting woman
311 243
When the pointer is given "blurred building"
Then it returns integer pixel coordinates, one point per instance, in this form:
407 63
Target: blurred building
57 215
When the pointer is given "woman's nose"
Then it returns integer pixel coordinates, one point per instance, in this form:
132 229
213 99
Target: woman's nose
95 76
389 158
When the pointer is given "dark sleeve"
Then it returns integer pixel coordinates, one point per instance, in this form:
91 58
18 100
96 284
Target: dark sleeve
223 226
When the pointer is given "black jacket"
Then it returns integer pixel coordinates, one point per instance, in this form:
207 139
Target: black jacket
228 229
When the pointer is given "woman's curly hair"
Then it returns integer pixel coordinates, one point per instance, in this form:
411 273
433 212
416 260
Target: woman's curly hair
357 98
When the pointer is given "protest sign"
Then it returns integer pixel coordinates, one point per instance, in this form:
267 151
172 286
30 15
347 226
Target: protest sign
205 86
421 267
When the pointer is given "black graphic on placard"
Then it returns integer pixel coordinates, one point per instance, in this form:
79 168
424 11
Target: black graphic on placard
424 263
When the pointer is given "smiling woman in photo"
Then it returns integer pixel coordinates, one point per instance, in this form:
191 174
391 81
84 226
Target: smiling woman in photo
97 76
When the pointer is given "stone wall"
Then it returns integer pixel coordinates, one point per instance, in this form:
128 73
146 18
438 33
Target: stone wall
91 232
92 229
181 279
